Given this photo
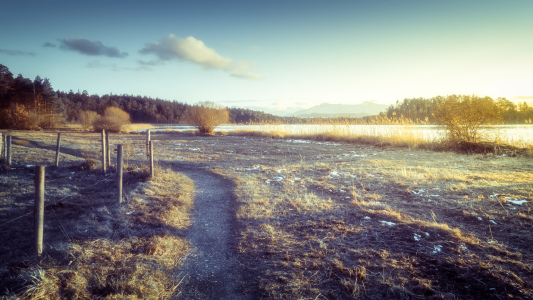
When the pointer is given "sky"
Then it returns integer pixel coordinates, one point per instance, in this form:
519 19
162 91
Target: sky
274 55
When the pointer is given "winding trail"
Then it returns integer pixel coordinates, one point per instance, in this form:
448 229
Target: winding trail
212 270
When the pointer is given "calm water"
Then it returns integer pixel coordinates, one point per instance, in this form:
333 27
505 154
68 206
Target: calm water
513 134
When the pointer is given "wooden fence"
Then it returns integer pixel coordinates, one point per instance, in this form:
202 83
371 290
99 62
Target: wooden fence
39 205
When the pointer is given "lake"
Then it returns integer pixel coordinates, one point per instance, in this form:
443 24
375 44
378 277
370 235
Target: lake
520 135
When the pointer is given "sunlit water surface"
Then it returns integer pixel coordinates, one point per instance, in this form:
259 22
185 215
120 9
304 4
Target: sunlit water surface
520 135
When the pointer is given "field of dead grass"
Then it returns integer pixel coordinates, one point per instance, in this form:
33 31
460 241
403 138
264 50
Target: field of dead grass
93 247
335 220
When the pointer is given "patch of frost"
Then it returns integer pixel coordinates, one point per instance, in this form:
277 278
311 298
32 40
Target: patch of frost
516 201
418 192
388 223
417 237
437 249
367 218
479 218
492 221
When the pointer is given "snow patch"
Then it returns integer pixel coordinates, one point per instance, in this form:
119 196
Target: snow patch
388 223
515 201
437 249
417 237
418 192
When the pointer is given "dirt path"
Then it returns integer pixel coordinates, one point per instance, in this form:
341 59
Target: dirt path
212 270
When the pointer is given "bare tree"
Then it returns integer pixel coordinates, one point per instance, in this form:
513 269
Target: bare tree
206 116
463 115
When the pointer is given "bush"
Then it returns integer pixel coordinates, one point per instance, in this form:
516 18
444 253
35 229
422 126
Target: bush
87 118
463 115
18 117
206 117
113 120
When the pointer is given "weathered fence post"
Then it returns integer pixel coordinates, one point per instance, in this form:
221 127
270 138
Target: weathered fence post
57 148
2 145
39 209
148 143
119 172
151 147
104 161
107 148
8 150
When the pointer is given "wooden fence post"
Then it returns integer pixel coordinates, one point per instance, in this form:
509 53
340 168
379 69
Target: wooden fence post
2 145
8 150
151 146
108 154
57 148
104 161
119 172
148 139
39 209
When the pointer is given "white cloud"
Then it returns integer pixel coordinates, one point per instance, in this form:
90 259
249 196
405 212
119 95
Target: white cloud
194 50
190 49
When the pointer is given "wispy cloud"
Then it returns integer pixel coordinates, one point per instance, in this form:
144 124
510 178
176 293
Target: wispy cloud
17 52
247 76
92 48
195 51
49 45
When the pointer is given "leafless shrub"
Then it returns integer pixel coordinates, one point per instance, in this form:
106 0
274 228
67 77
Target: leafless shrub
87 118
113 120
206 116
463 115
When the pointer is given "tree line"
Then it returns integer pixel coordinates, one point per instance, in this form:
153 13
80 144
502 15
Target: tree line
28 104
421 110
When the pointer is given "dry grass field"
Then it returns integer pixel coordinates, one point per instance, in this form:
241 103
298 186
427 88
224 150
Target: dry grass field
93 246
314 219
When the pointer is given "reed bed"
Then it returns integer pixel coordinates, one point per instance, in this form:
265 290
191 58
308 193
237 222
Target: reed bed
383 131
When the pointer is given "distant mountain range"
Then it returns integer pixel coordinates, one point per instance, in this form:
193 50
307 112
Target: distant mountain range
341 110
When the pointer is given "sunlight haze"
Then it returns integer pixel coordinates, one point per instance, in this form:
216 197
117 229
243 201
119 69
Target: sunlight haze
275 55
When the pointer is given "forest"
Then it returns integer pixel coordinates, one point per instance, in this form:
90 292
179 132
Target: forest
421 110
26 103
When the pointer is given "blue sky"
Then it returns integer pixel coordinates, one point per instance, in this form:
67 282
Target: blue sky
274 54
